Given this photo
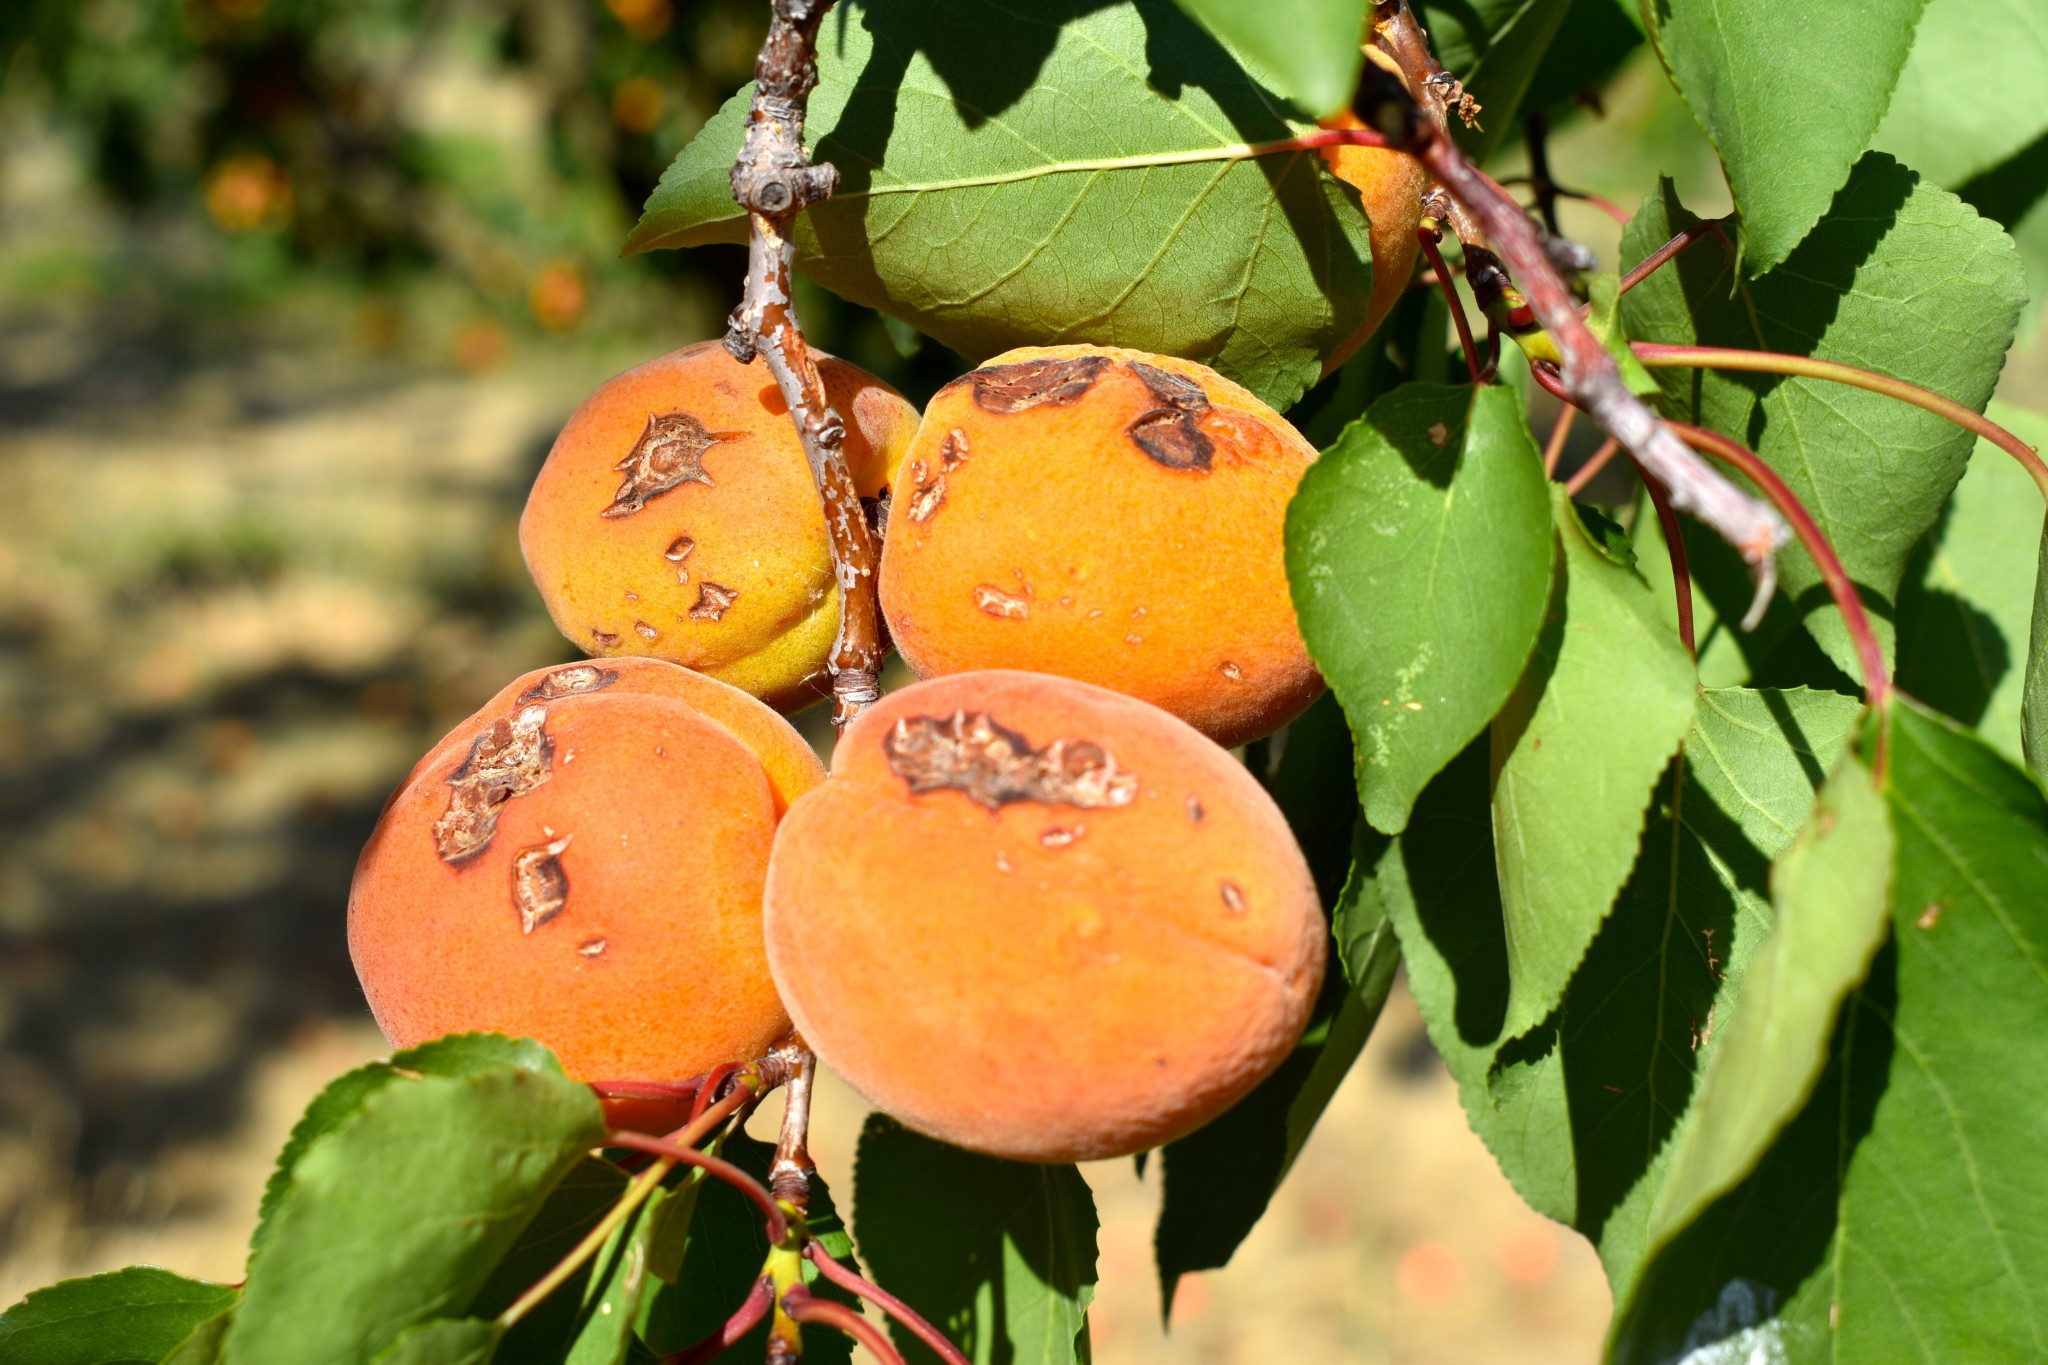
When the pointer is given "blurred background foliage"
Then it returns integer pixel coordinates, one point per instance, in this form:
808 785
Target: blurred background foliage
294 295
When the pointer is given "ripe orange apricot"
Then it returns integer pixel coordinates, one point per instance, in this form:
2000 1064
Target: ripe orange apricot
676 517
1107 515
581 862
1041 919
1390 183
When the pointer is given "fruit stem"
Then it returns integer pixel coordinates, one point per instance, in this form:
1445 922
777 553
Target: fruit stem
1429 235
855 1283
789 1178
775 181
751 1311
1808 367
1553 449
805 1307
636 1193
1587 372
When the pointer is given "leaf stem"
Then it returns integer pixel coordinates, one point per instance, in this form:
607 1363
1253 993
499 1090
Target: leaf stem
1657 356
1674 546
881 1298
750 1312
636 1193
1596 462
1458 319
1553 449
806 1307
1876 679
1651 263
677 1154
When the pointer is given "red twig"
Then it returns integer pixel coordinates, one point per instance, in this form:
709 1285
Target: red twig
738 1325
778 1224
881 1298
1553 449
805 1307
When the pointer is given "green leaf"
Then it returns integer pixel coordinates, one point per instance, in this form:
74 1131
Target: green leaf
447 1341
204 1344
1576 752
397 1215
1830 903
1420 551
1967 605
620 1279
1997 47
999 1255
1583 1113
1790 99
1219 1179
2016 195
1901 278
1310 780
726 1246
575 1206
1603 319
135 1316
2034 706
1307 50
473 1054
1494 47
1898 1216
1056 173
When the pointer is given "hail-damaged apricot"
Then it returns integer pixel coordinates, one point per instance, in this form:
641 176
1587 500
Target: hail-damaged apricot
1106 515
582 862
1390 185
676 517
1041 919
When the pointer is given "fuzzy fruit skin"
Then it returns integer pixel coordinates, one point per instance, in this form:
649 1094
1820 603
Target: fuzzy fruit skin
1045 999
668 786
757 530
1168 584
1390 183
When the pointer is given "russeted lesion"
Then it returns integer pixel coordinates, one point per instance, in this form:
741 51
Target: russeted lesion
972 753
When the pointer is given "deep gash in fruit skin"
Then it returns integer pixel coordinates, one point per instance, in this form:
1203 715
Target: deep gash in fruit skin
582 862
1042 920
676 517
1110 516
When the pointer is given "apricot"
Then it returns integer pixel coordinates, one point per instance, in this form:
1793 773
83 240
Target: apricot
1106 515
1040 919
582 862
676 517
1390 184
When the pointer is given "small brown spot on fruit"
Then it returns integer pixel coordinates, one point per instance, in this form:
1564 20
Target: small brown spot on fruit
669 453
1233 898
953 450
1003 863
679 549
713 601
1004 389
645 631
1056 836
1231 671
927 492
1170 389
591 947
568 681
996 602
540 888
971 753
1170 438
1134 639
603 639
1195 809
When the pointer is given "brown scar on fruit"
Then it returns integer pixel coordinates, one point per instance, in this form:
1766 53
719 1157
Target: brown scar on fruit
927 491
1004 389
540 888
971 753
509 759
1195 811
603 639
1233 898
1168 433
996 602
669 453
713 601
569 681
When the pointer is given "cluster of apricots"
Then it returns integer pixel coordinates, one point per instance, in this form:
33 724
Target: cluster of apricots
1035 908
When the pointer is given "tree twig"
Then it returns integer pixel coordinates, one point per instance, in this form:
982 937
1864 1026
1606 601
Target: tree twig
1588 372
790 1175
774 180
